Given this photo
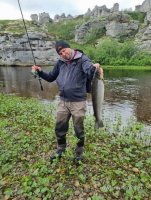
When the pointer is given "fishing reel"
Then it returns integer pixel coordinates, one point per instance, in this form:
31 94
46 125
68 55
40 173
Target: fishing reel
34 73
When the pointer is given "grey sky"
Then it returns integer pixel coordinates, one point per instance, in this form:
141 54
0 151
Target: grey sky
9 8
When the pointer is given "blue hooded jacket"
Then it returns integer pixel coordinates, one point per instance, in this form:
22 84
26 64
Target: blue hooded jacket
71 77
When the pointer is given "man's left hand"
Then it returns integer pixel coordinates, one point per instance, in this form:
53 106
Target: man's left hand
99 69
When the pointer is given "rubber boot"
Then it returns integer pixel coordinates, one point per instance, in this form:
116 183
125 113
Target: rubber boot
58 154
78 156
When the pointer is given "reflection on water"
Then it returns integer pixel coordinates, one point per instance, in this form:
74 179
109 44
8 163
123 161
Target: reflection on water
131 90
126 92
19 80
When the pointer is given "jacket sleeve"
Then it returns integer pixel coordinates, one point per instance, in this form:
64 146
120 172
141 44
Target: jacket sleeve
87 67
52 75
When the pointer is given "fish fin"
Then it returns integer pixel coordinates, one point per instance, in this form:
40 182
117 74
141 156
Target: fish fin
99 124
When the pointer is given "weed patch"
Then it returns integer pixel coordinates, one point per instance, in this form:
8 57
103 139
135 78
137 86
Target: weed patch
115 166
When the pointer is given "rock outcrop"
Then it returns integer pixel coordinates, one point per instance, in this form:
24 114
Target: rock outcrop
144 38
118 24
144 33
16 50
145 7
101 11
42 19
59 18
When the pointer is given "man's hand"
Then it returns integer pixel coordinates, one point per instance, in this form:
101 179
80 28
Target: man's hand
34 70
99 69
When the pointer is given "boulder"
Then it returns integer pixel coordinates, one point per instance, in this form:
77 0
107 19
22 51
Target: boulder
116 29
44 18
115 8
34 18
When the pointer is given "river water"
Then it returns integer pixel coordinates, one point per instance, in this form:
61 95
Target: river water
127 92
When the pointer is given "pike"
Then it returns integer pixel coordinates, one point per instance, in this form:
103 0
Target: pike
97 92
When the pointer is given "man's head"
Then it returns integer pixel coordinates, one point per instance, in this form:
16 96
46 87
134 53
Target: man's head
63 49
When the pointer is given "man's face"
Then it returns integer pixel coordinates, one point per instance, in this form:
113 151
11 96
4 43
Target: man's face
65 53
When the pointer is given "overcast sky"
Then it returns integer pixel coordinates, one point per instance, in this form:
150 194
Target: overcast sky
9 9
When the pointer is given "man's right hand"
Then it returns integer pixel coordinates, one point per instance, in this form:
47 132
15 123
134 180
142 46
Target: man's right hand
36 68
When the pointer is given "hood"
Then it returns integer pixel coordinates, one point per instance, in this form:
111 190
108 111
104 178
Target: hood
78 55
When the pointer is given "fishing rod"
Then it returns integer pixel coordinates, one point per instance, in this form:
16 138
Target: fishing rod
35 75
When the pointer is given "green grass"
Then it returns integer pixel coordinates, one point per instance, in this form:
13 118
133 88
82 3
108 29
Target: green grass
143 68
115 166
5 22
135 15
64 29
16 27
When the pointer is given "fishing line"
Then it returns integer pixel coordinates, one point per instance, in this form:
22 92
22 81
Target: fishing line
29 43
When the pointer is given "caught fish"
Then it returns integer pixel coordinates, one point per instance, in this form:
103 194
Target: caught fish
97 92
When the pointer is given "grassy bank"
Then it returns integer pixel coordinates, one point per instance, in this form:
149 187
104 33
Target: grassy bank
143 68
114 166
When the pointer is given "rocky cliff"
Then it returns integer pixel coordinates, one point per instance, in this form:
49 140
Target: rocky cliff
15 48
118 24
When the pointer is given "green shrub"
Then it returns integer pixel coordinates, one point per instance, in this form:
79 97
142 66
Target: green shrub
127 50
94 34
107 49
64 29
141 58
118 61
135 15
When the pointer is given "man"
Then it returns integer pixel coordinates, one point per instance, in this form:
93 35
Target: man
71 73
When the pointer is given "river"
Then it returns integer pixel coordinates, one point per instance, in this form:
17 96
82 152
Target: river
127 92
